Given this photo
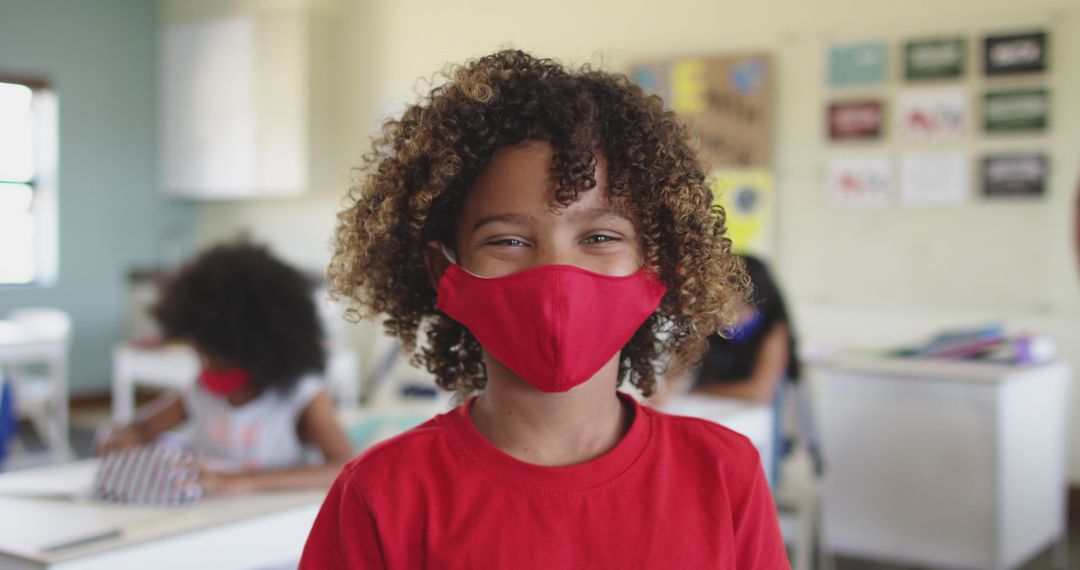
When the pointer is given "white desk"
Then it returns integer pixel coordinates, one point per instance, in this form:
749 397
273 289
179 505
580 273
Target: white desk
941 463
20 345
23 345
176 367
250 531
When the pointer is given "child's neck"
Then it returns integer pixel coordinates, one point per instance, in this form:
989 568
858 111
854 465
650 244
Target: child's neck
551 429
242 396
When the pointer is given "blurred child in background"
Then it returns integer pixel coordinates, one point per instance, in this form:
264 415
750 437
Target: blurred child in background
261 418
759 353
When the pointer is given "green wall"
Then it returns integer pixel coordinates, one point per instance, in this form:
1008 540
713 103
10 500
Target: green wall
100 58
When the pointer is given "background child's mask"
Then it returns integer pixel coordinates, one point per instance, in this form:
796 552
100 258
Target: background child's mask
224 382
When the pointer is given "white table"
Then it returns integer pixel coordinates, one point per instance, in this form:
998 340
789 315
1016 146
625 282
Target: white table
252 531
20 345
176 367
943 464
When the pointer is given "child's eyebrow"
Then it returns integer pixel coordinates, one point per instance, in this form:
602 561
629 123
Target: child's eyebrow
518 219
594 213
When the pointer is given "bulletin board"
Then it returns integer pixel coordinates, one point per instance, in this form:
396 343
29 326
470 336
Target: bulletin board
727 103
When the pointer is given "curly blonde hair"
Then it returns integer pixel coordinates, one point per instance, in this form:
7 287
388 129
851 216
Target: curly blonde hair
421 165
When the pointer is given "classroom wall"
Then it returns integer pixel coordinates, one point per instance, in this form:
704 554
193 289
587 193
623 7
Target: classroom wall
100 58
854 277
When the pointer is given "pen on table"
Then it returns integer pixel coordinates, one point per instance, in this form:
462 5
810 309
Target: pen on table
81 541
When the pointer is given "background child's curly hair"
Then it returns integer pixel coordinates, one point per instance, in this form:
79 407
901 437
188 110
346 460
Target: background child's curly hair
238 303
421 166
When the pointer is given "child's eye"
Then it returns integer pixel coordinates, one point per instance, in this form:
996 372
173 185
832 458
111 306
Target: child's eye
599 239
509 242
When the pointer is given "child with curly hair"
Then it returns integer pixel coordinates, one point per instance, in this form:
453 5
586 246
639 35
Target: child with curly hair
261 418
550 234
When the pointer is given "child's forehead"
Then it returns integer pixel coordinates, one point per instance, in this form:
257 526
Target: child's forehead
521 176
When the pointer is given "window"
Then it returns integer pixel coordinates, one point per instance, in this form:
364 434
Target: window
27 183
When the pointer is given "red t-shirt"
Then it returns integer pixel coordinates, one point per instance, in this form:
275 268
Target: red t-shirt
675 492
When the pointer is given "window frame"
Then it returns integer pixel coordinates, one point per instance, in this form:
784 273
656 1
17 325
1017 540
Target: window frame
42 182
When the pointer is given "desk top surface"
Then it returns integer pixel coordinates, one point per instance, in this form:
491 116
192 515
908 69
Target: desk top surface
719 410
14 334
36 518
934 368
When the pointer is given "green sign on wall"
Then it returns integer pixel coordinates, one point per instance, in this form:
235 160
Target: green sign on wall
858 64
1016 110
939 58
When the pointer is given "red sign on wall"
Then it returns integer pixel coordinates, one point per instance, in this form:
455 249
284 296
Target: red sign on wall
856 120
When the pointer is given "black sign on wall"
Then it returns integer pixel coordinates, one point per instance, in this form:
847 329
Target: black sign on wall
1014 175
1020 53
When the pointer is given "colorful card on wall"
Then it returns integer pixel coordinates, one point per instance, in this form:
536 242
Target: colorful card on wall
938 115
1016 53
934 179
725 100
654 78
855 120
858 64
938 58
1017 110
1014 175
747 197
860 181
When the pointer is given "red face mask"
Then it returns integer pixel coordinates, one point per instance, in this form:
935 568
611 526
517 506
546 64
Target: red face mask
224 382
555 326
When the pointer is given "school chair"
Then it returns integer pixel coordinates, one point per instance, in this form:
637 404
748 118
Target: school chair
40 339
796 502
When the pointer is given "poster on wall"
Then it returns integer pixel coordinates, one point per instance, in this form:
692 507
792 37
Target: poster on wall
747 197
859 64
937 115
858 180
855 120
725 100
1016 110
1016 53
934 179
937 58
1014 175
654 78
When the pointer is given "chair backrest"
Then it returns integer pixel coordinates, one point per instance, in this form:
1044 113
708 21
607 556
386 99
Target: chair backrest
48 322
792 403
9 426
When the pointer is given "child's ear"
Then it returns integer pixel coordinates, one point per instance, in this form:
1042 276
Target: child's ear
436 262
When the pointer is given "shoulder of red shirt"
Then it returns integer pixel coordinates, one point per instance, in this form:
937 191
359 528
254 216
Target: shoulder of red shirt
732 452
385 454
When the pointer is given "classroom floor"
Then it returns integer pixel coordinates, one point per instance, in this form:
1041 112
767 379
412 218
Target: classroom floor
85 421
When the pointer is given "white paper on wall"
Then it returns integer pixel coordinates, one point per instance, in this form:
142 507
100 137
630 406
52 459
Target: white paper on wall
934 179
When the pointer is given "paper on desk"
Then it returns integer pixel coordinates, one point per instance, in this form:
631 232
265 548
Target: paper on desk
74 482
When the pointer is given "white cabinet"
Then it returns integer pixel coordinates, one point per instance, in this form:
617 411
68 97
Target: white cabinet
234 107
942 464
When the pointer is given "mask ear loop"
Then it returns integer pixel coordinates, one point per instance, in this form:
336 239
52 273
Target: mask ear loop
447 253
453 259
